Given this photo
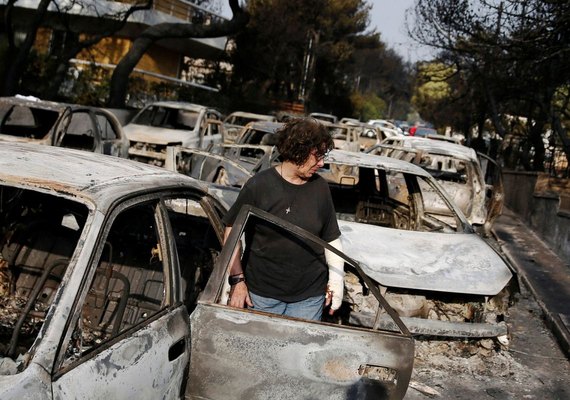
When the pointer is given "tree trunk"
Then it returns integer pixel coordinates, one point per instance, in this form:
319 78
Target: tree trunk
535 138
562 134
499 128
17 66
120 78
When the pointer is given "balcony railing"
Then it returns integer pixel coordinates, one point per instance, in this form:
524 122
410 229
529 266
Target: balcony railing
183 10
187 11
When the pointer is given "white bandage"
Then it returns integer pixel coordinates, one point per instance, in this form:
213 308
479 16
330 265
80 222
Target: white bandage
336 274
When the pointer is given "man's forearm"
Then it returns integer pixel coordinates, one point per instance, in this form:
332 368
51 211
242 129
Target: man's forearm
235 262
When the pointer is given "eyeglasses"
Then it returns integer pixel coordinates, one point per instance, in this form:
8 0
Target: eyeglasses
321 156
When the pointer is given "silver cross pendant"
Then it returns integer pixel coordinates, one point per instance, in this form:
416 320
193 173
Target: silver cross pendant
287 210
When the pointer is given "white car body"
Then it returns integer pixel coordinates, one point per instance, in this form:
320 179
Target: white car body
387 127
468 190
413 240
171 123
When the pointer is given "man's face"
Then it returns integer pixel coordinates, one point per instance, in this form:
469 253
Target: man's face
312 164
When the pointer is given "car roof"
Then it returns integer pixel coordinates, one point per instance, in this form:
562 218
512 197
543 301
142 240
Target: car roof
266 126
34 102
319 114
262 117
438 147
88 177
179 104
366 160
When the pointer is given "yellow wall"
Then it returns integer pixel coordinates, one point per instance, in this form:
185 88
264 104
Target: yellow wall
157 59
43 36
110 51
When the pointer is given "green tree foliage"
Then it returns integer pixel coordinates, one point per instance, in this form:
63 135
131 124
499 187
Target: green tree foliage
381 71
367 106
510 57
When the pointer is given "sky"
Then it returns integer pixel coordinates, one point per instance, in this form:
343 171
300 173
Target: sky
388 17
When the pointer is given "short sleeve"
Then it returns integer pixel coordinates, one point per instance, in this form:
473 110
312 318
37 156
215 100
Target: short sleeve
245 196
330 231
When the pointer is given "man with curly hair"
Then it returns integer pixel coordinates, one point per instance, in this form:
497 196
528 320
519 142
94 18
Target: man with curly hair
279 273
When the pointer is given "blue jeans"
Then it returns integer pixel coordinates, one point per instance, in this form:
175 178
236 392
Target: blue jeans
311 308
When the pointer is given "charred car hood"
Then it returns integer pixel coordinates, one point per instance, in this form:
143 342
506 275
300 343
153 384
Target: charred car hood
151 134
441 262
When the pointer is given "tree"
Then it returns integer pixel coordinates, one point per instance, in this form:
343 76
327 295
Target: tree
76 36
119 79
300 50
511 55
382 72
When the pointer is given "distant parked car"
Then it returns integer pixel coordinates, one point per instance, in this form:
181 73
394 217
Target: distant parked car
172 123
254 149
345 120
28 119
458 170
330 118
421 131
389 129
368 135
235 122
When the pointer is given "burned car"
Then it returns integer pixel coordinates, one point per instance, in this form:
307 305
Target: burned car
415 243
457 168
236 120
224 164
114 283
172 123
228 164
354 136
28 119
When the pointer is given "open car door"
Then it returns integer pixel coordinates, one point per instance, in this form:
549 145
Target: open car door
247 354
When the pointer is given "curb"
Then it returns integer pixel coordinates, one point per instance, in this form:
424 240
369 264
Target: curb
558 323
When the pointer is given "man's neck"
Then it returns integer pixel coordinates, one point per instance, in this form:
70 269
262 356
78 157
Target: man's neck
290 172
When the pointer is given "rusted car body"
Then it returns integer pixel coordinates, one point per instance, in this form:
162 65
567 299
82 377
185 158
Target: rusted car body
236 120
368 134
457 168
354 136
172 123
259 132
224 164
229 164
414 241
28 119
114 285
329 118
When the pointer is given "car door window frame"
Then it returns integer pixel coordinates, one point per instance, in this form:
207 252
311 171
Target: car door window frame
170 296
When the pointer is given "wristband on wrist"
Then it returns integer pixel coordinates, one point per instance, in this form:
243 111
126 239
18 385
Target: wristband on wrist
234 280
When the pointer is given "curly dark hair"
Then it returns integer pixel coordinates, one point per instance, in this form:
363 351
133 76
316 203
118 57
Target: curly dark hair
300 136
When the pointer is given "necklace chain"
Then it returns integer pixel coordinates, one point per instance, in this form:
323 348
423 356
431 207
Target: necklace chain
291 202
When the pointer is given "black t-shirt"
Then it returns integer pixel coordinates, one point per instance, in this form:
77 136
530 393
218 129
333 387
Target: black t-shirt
277 264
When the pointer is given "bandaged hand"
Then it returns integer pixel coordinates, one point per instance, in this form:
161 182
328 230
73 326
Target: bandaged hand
336 276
